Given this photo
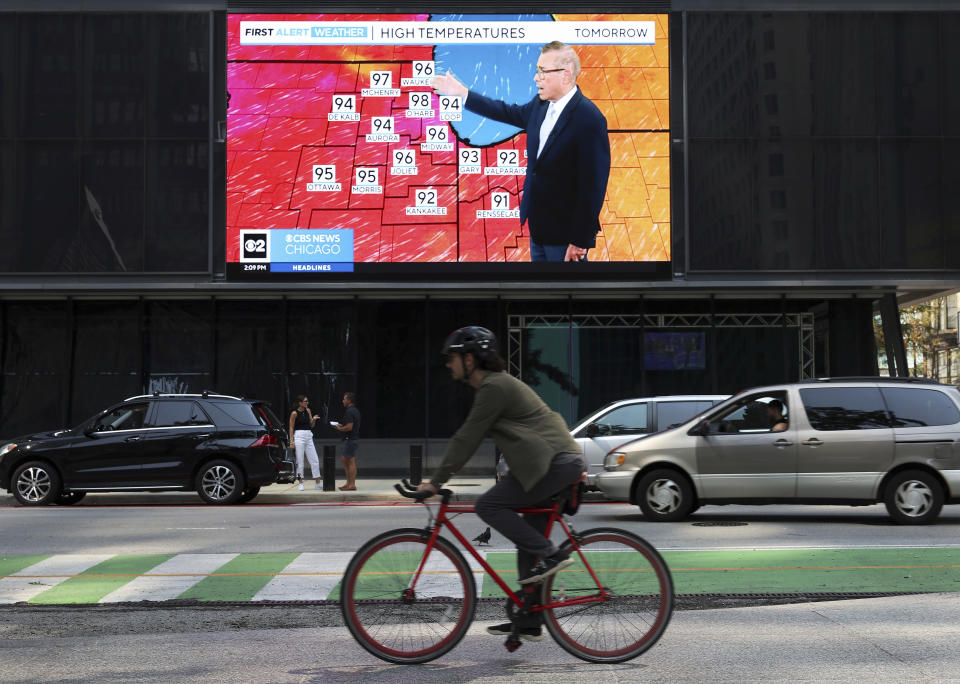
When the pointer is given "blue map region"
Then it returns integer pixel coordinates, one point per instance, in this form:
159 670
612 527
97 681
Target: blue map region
503 72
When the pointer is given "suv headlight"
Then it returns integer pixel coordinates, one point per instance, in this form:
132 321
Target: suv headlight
614 460
7 447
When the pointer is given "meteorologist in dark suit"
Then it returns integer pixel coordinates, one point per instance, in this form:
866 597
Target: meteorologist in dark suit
568 154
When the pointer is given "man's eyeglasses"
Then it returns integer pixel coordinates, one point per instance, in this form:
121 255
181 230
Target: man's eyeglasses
541 72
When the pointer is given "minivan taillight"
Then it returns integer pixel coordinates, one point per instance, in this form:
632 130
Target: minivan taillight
266 440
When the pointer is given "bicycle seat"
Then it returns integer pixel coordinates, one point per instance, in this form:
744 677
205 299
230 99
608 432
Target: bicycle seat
570 498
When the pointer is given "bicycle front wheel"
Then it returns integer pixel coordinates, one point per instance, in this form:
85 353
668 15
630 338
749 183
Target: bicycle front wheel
401 608
624 611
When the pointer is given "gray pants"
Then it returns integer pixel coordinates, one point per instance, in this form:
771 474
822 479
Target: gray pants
497 507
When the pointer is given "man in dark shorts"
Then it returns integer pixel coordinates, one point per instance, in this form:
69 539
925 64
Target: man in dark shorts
350 427
536 444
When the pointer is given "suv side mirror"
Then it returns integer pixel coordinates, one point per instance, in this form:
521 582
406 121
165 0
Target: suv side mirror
592 430
701 429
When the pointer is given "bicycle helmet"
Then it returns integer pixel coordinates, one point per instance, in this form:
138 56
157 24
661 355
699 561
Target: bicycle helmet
478 341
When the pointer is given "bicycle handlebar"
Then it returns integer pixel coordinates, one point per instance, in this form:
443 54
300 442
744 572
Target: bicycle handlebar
410 492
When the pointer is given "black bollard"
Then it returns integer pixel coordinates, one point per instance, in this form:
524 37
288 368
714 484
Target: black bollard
329 468
416 463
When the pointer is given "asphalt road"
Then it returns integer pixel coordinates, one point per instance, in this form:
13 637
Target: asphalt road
255 528
904 639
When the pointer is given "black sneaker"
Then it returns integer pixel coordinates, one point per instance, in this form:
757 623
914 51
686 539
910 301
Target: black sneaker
528 633
546 567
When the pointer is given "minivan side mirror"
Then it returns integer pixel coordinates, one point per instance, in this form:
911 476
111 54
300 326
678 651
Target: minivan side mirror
701 429
592 430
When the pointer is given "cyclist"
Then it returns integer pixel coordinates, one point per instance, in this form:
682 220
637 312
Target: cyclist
536 444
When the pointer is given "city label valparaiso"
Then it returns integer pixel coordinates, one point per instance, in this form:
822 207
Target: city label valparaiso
446 32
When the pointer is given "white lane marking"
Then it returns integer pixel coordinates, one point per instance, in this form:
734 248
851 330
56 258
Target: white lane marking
162 583
36 579
309 577
815 547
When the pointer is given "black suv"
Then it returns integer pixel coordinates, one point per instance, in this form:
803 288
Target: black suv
224 447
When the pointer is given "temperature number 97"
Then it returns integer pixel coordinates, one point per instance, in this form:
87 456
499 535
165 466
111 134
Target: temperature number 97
380 79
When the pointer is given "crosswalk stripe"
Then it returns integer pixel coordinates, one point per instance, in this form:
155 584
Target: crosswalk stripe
171 578
310 576
39 577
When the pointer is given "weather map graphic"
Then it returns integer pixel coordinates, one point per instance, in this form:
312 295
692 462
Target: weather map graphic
342 153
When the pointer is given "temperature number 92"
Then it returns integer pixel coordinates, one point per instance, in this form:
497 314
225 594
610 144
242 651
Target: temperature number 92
508 157
426 197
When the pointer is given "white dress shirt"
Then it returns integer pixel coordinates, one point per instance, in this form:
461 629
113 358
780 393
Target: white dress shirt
550 120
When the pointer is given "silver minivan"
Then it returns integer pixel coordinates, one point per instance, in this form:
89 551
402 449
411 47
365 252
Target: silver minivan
855 441
629 419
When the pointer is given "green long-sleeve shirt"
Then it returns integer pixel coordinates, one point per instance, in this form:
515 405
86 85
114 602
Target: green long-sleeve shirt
526 430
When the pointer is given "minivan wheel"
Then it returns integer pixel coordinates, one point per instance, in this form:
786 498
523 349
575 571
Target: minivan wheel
220 482
35 483
664 495
913 497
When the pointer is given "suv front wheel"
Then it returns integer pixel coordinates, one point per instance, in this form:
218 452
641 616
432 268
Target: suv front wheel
664 495
913 497
35 483
220 482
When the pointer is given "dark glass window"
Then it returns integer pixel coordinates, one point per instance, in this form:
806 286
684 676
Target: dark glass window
674 412
624 420
104 130
175 413
126 417
238 412
751 414
845 408
177 206
51 75
114 94
911 407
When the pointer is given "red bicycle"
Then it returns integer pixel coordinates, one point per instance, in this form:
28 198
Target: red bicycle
409 596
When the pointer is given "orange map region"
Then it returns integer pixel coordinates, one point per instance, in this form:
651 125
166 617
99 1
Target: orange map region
279 133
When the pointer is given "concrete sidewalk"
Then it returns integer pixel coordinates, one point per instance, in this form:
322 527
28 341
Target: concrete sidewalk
371 489
896 639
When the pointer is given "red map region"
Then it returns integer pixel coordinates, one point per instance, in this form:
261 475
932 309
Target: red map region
278 131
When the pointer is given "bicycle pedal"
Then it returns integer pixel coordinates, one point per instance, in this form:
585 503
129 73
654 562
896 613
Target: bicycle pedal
512 643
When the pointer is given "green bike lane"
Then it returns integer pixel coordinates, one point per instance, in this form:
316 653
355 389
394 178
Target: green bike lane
65 579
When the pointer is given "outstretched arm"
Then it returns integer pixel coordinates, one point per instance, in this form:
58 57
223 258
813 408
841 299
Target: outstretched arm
448 85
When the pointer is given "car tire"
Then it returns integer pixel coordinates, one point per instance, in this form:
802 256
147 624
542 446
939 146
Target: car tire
664 495
69 498
248 494
913 497
220 482
35 483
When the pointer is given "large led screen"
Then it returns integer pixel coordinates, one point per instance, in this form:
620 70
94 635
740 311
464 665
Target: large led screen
342 157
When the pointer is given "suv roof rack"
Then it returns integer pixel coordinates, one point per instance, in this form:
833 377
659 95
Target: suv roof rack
204 395
876 378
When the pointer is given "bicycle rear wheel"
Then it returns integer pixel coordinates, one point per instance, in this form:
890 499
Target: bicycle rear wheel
637 597
399 616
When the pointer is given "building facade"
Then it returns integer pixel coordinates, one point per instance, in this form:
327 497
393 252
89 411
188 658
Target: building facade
812 154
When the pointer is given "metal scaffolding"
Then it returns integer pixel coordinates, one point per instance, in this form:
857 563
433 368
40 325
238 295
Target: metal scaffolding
801 322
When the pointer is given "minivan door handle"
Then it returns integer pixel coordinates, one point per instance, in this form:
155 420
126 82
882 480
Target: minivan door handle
134 438
782 443
812 442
